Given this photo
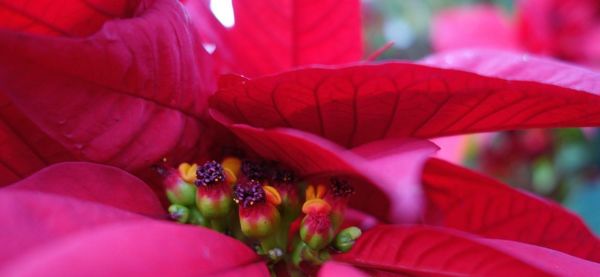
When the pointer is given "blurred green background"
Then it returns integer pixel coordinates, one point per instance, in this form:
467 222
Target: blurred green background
406 23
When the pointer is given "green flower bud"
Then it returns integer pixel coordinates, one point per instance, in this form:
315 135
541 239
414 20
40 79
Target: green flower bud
196 218
346 238
178 190
179 213
213 197
316 231
214 202
182 193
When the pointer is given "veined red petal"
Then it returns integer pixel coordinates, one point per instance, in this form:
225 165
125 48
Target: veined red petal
385 172
128 95
424 250
464 200
69 18
355 105
142 248
271 36
95 183
473 26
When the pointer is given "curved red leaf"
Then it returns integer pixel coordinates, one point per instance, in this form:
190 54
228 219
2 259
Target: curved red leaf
150 249
422 250
271 36
464 200
70 18
128 95
95 183
32 219
386 172
360 104
472 26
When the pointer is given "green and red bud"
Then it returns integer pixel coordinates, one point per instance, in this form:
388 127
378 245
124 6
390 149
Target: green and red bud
284 182
338 194
258 213
316 229
213 196
178 191
179 213
346 238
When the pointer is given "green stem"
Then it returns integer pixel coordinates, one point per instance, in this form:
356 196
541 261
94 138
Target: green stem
218 224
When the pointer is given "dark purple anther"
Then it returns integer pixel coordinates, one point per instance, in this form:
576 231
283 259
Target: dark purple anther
254 169
341 188
248 194
210 173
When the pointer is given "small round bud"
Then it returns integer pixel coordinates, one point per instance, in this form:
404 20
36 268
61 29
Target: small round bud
346 238
179 213
178 191
316 231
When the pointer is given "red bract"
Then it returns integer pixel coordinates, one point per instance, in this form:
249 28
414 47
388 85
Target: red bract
566 30
271 36
129 94
131 91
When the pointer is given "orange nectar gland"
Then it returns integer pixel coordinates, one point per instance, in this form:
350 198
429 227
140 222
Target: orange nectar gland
213 197
258 213
233 164
178 191
188 172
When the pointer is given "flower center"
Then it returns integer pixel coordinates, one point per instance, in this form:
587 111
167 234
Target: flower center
210 173
262 204
248 194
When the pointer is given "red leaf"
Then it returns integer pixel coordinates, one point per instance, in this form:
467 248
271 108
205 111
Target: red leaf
383 190
95 183
473 26
462 199
356 105
142 248
422 250
271 36
128 95
69 18
31 220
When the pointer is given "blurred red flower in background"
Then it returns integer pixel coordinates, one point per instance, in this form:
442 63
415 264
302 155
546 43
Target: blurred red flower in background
568 30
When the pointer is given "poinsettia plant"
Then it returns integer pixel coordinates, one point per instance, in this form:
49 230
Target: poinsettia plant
316 169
